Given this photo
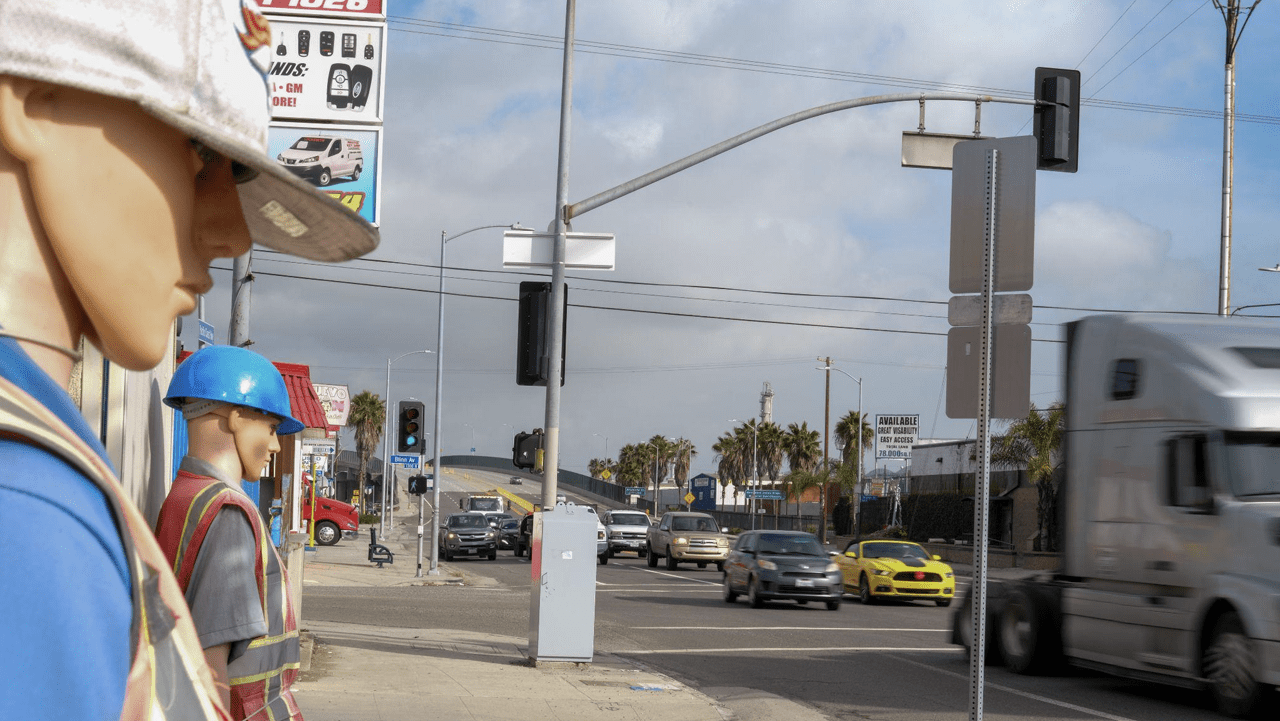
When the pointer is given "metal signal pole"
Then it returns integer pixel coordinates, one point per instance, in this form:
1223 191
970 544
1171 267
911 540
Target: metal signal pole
1231 15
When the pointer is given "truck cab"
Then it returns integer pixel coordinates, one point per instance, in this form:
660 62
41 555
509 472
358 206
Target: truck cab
333 519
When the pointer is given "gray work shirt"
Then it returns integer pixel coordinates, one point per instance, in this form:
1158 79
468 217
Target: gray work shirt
223 590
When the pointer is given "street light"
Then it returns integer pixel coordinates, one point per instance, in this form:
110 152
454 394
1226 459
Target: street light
858 488
435 462
473 437
755 474
384 520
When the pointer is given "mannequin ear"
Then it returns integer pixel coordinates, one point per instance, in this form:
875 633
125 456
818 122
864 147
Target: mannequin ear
235 419
24 104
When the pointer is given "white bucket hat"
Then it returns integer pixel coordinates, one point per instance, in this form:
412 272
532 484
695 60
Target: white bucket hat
200 66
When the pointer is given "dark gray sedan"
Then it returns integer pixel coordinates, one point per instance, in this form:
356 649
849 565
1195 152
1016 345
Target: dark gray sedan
782 565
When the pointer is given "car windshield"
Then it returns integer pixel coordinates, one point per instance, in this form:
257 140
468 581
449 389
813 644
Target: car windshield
893 550
628 519
510 524
486 504
785 544
693 523
311 144
468 522
1253 463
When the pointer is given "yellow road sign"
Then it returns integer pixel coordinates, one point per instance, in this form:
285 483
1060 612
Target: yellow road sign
688 498
605 475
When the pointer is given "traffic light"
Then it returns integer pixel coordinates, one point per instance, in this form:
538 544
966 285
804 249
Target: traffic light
524 451
531 336
1057 119
409 430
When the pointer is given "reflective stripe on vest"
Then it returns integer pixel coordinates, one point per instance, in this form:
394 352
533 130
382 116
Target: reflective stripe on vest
168 676
261 677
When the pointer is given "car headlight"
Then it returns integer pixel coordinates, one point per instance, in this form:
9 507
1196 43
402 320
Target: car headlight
312 159
832 568
615 534
280 158
452 535
722 542
490 533
681 541
881 571
767 565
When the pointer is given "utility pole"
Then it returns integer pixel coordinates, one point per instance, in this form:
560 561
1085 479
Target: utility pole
826 451
1230 10
241 299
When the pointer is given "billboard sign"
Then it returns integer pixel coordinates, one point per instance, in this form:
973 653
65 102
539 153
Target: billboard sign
342 160
326 70
364 9
336 401
895 435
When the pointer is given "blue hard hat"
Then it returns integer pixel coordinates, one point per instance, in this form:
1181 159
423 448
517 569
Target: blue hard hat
237 376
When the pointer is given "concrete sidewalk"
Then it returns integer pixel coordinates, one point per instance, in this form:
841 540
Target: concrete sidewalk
356 672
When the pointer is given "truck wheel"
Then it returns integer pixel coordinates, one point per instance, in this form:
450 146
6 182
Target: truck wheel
327 533
641 553
652 559
604 558
833 605
1025 632
493 555
671 560
962 630
355 174
324 178
702 564
753 593
720 566
1228 664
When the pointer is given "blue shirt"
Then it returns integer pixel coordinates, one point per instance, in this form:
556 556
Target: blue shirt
64 579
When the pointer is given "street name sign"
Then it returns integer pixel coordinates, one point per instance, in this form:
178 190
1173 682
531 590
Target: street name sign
764 494
582 251
635 490
408 461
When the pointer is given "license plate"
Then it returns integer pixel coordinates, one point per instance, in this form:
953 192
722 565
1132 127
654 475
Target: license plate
465 551
804 581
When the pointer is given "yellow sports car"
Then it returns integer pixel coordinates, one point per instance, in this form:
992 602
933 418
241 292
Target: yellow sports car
896 569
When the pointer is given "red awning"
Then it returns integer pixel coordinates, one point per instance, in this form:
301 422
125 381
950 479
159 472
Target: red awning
304 404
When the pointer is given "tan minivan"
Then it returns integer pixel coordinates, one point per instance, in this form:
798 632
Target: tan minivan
686 537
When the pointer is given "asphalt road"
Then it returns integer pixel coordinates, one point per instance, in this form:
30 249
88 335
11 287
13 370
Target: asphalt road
891 661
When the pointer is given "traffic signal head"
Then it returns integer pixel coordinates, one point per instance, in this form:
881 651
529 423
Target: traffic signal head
532 337
1057 119
418 485
409 437
524 451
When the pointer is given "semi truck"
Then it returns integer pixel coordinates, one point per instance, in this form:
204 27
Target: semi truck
1170 514
488 502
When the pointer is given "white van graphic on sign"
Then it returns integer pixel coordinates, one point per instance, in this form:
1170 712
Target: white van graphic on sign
321 158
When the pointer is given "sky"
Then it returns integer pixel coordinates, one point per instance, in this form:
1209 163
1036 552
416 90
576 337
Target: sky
810 242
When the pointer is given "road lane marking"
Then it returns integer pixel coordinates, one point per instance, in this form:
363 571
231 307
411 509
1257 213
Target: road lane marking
1016 692
787 649
788 628
682 578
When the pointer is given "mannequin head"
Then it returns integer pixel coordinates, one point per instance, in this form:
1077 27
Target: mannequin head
112 220
236 439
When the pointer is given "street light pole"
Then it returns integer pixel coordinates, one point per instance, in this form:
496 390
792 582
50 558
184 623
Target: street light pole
383 519
857 490
606 449
473 437
435 438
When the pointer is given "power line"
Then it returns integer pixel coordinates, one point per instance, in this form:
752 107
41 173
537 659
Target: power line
552 42
1126 43
1144 52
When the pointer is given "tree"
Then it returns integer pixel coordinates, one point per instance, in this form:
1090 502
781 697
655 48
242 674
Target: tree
802 447
729 463
847 436
1035 443
684 452
368 413
663 453
799 482
634 464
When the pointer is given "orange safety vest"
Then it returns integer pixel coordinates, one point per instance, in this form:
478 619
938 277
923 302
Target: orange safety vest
168 677
262 676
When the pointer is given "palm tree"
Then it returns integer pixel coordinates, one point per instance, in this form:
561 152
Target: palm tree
726 450
847 435
368 413
663 452
802 447
1036 443
799 482
595 466
684 453
634 464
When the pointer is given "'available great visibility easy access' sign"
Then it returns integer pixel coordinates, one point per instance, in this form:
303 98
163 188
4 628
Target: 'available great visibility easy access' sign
895 435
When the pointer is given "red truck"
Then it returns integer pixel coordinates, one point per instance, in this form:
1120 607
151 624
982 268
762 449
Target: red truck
334 519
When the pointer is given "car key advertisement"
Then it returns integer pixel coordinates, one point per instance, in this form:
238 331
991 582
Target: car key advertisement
326 70
341 160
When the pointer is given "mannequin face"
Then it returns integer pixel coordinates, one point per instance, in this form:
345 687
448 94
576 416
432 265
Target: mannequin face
130 212
255 439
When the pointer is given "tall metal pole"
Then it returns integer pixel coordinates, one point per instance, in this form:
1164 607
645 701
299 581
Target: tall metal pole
755 472
241 299
386 456
826 453
437 475
1231 14
555 318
